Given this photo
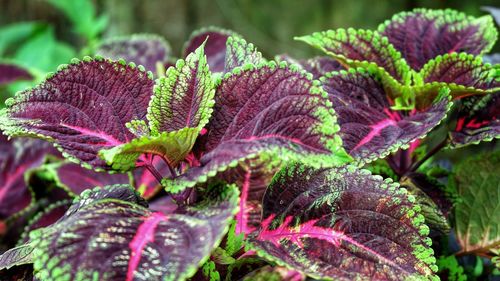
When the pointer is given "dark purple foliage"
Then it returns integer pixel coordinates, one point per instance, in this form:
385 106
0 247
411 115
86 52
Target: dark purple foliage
11 72
215 48
343 224
422 35
16 158
82 108
369 128
478 119
142 49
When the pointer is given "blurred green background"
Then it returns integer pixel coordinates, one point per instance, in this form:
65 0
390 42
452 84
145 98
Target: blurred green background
270 24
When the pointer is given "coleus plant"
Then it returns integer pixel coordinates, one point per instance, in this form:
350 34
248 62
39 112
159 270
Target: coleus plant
257 149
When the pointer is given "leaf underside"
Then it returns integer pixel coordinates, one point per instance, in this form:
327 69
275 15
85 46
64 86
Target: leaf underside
477 223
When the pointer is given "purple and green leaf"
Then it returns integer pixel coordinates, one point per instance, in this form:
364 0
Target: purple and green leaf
343 224
16 158
317 66
363 48
462 73
422 34
215 47
142 49
128 241
478 119
82 108
369 128
266 114
239 53
184 97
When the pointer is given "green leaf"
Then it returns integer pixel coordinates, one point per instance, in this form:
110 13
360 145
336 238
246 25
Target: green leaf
43 52
16 33
82 15
172 146
450 264
477 215
185 97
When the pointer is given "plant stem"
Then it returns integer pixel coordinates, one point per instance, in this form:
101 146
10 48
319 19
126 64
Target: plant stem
171 169
153 171
429 154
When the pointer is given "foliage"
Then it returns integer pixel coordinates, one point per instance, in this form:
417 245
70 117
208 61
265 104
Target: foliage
226 165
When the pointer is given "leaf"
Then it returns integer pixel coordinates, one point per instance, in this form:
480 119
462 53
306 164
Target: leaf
44 218
455 272
171 146
10 72
142 49
317 66
369 128
127 241
422 34
16 256
48 54
495 12
215 47
239 53
477 219
275 273
264 116
82 108
362 48
16 158
75 179
82 15
15 33
343 224
432 200
478 119
184 98
464 74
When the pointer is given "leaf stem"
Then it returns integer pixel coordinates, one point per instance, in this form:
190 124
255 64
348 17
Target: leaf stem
429 154
154 172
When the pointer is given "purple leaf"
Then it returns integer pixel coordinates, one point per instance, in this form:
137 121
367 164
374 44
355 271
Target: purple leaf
137 243
215 48
343 224
266 114
16 158
142 49
370 129
317 66
362 48
478 120
75 179
423 34
82 108
10 72
463 73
